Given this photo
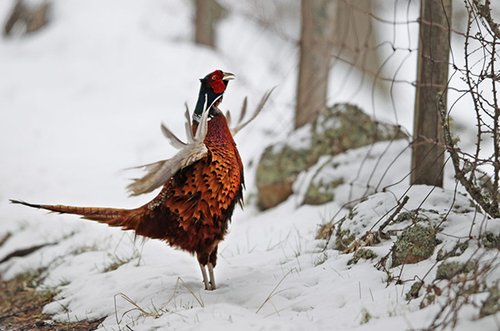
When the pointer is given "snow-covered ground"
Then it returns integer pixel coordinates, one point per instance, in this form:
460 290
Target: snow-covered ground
83 99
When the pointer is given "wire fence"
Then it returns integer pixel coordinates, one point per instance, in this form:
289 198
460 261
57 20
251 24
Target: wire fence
374 50
374 64
374 59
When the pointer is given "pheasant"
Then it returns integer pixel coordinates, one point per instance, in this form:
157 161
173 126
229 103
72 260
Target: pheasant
201 183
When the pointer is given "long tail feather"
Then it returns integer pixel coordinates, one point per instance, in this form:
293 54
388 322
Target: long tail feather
140 219
111 216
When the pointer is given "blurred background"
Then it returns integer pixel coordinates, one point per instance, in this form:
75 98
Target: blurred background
372 99
84 84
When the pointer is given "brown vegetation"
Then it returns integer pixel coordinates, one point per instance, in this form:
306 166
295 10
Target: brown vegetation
21 304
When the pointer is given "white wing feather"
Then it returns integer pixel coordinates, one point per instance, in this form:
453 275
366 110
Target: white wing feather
158 173
240 125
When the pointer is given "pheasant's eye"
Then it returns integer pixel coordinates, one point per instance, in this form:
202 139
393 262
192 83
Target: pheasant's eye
214 77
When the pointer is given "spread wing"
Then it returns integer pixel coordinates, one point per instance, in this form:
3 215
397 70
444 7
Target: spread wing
159 172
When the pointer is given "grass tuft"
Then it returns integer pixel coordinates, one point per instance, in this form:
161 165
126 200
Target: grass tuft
22 300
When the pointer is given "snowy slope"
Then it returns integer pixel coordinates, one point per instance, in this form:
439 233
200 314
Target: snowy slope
83 99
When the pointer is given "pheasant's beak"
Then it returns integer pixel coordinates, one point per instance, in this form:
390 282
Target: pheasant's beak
228 76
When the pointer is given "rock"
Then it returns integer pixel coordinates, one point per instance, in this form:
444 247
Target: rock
339 128
491 240
320 194
416 243
277 170
448 270
274 193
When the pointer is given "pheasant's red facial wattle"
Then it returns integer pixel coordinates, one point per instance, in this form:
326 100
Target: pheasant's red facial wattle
215 82
217 86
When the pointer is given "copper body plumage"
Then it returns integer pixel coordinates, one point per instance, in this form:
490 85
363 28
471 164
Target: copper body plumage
194 207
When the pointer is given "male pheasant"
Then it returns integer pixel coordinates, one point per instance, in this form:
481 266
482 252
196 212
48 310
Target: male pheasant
201 184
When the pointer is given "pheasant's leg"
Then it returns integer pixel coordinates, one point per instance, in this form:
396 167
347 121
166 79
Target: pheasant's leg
211 274
212 262
205 278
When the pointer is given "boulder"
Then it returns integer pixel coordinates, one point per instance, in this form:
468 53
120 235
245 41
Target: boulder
337 129
416 243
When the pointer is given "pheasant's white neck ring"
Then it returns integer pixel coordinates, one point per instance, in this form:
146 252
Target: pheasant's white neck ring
197 117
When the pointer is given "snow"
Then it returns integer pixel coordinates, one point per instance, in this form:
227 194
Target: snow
83 99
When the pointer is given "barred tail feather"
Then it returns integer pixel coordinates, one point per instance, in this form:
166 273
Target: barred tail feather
128 219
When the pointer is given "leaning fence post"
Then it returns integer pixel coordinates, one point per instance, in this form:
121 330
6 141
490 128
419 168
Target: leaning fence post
317 28
432 79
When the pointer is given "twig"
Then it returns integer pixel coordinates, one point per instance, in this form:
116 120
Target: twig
274 289
199 300
390 219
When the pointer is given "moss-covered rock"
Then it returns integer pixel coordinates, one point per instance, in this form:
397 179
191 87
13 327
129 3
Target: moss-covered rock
448 270
416 243
362 253
491 240
318 194
334 131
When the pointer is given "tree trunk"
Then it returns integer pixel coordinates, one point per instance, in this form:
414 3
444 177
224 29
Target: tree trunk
317 29
432 79
29 17
207 13
355 44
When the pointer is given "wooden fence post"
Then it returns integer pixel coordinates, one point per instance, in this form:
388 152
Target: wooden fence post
317 28
432 79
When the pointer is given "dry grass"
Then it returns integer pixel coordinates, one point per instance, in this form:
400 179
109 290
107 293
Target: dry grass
21 304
